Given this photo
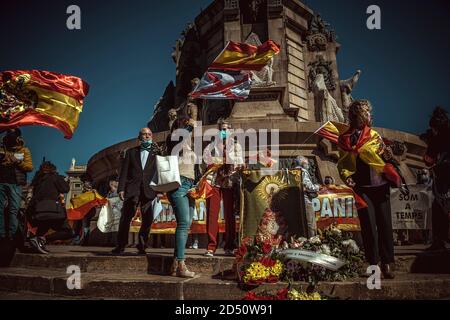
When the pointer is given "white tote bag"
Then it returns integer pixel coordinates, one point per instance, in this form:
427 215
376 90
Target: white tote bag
157 208
109 216
104 219
167 174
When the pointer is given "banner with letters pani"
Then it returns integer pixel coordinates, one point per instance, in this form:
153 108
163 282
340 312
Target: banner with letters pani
335 204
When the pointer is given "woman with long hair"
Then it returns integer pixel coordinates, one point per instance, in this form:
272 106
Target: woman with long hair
364 166
182 204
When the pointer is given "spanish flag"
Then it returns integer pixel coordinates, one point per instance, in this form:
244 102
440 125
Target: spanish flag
241 56
332 130
369 148
80 205
203 189
41 98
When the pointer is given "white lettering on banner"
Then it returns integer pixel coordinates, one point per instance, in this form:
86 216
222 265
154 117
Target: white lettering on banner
411 211
341 207
320 259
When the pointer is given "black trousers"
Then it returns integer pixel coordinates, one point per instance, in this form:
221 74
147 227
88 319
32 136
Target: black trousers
62 230
128 211
376 224
85 223
439 222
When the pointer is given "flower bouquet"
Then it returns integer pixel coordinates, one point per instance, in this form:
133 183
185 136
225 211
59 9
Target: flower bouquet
332 242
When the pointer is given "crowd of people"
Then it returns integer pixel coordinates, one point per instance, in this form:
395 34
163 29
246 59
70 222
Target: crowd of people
369 171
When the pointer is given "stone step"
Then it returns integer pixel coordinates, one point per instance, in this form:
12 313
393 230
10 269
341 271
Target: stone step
98 285
97 259
100 260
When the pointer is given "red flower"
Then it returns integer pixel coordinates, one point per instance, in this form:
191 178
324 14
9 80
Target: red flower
272 279
247 241
282 294
242 251
266 247
267 262
250 296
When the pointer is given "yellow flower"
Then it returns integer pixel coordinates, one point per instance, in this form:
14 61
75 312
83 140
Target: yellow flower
295 295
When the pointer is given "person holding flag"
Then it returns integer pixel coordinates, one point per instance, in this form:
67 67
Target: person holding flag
363 166
224 157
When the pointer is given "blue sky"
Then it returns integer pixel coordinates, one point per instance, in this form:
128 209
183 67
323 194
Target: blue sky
123 52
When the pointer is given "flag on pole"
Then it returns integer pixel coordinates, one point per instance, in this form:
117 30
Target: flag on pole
41 98
242 56
219 85
332 130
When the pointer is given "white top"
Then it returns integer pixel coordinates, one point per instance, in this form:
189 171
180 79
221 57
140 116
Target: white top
144 156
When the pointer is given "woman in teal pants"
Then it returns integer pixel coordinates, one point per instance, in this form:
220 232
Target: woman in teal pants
182 204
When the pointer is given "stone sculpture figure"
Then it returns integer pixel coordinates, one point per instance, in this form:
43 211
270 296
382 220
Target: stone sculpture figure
264 77
326 106
172 114
192 110
346 89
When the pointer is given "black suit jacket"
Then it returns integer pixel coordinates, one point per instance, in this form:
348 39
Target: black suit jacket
133 177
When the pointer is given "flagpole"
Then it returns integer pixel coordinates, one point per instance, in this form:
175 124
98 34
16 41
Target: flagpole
315 132
223 50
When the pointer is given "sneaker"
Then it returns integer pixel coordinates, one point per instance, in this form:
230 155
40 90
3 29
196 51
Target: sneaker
209 253
76 241
43 242
36 243
195 244
183 272
141 250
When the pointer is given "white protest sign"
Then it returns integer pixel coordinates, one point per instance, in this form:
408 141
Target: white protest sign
411 211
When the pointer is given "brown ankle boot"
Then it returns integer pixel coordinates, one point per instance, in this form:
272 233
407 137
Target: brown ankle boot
183 272
387 271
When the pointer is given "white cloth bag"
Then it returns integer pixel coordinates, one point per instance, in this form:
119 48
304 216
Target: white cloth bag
167 174
109 216
104 219
157 208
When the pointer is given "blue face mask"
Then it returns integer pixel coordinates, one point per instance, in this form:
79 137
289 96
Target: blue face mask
224 134
146 144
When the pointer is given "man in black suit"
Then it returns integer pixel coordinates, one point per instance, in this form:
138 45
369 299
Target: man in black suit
134 189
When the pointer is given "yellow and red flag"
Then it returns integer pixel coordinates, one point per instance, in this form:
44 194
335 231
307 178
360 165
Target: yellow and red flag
203 188
80 205
41 98
338 205
332 130
242 56
369 148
